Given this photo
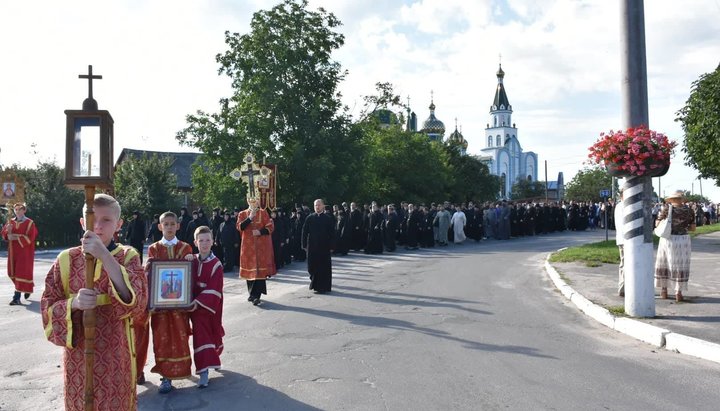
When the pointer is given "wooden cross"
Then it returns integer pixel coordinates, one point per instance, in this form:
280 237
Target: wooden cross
90 78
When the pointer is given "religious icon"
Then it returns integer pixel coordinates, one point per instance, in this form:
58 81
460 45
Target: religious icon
170 285
8 190
264 181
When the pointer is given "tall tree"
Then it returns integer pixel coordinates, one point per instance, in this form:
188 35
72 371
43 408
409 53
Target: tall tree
146 184
285 105
523 189
587 183
55 208
469 178
700 119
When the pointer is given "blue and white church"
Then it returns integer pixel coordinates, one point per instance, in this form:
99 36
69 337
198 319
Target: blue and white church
503 153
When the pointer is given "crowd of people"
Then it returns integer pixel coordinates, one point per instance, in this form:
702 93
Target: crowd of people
260 243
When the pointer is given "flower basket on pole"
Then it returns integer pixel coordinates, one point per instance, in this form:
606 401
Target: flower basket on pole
637 151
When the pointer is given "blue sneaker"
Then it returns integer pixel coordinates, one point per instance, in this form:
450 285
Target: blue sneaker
204 379
165 386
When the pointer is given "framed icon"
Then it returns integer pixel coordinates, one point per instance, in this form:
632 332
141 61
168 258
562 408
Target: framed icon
170 285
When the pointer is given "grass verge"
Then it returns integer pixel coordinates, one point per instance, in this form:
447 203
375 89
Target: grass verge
705 229
617 310
592 255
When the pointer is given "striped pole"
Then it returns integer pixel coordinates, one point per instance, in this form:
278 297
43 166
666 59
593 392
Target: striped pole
638 246
639 286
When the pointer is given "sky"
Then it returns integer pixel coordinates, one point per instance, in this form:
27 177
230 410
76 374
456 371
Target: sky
561 60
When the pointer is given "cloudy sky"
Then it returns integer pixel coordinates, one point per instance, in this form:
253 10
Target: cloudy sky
157 58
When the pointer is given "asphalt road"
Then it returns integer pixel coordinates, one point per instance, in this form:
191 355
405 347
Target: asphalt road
470 327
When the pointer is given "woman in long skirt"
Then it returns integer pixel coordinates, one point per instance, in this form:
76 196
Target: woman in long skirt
672 264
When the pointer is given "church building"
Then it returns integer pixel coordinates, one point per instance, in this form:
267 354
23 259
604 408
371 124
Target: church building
503 153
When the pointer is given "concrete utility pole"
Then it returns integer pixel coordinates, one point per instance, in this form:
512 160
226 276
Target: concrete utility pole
637 191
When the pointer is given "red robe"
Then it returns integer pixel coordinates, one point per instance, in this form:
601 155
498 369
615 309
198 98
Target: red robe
257 261
21 259
114 373
170 328
207 317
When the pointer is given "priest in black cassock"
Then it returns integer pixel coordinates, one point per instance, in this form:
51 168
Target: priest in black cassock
317 239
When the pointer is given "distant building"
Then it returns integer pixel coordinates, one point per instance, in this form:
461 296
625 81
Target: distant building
503 153
181 167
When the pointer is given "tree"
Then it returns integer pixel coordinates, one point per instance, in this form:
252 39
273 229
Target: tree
145 184
587 183
285 105
469 178
400 165
526 189
54 207
700 119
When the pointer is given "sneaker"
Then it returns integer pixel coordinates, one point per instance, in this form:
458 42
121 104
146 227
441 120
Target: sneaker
15 302
27 295
256 301
204 380
165 386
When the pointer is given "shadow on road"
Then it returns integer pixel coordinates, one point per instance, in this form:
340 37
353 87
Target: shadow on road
227 391
402 325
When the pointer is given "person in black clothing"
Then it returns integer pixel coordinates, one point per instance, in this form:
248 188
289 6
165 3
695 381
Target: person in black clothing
428 239
342 233
286 249
299 254
412 224
356 224
278 239
155 234
183 219
317 239
215 222
390 229
136 233
374 238
190 230
230 242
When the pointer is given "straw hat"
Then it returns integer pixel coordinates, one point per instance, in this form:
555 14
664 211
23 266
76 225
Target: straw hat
677 194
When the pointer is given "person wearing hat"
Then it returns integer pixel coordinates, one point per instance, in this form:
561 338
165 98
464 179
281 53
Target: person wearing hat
20 233
672 263
136 234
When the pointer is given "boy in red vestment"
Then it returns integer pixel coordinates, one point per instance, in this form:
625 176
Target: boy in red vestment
170 328
206 314
257 261
119 295
20 233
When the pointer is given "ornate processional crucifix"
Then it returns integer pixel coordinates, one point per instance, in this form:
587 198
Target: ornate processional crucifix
247 173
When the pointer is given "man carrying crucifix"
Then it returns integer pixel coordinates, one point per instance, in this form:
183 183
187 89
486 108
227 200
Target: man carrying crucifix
257 261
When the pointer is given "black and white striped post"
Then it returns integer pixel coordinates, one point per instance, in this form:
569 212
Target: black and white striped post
637 190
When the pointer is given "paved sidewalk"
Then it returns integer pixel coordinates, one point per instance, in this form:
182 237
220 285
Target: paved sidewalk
690 327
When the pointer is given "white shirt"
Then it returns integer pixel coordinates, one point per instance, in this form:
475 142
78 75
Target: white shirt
166 243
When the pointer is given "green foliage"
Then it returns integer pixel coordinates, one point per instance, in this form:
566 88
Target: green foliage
695 198
212 185
592 255
587 183
55 209
524 189
700 119
401 165
285 106
469 179
145 184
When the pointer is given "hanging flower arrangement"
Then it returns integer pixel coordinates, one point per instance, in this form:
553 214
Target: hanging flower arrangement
637 151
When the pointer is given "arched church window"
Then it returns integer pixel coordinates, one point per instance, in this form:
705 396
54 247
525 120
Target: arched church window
489 141
495 118
529 178
498 141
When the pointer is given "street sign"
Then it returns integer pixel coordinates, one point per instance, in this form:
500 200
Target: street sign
604 193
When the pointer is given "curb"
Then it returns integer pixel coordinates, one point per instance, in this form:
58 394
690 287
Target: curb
656 336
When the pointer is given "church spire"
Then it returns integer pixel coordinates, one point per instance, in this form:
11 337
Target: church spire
500 102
